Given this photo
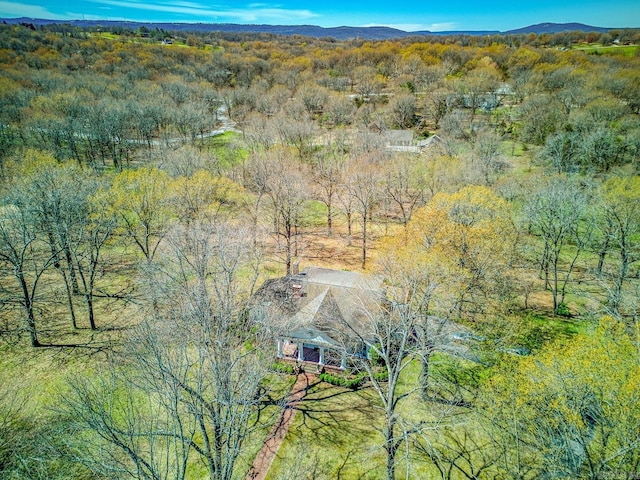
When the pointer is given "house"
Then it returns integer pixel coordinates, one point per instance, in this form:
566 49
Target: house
319 316
432 141
403 141
398 139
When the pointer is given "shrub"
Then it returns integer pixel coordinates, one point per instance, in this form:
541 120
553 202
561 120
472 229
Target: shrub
563 310
352 382
283 368
382 375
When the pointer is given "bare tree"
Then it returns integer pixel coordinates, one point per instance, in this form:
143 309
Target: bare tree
94 235
57 199
127 432
260 132
340 110
286 191
387 329
620 212
256 177
405 185
438 106
367 83
29 447
138 198
558 213
459 452
108 128
403 110
185 161
347 205
313 97
26 256
560 151
477 86
271 102
487 157
364 187
328 171
190 382
11 409
295 128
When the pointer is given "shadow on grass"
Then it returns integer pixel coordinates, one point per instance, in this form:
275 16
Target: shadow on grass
336 416
66 351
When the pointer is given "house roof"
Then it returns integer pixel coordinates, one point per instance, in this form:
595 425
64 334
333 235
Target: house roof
339 278
330 306
427 142
395 137
313 335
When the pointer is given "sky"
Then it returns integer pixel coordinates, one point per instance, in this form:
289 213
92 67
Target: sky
408 15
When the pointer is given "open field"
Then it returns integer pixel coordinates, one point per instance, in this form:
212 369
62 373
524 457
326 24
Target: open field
624 50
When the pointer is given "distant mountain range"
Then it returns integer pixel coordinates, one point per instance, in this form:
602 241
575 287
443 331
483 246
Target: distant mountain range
561 27
339 33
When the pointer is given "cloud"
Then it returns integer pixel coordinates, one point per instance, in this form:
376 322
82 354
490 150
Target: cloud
12 9
443 27
197 11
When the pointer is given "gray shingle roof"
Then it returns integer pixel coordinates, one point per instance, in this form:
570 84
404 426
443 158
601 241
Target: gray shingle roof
328 305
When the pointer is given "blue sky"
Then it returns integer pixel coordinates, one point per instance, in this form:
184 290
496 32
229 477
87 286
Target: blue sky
409 15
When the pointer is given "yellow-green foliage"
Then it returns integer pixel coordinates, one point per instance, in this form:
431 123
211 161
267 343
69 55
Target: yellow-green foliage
202 193
574 406
461 241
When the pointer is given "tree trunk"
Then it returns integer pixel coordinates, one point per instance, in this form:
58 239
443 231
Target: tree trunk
58 266
89 300
28 308
72 273
544 266
425 369
288 248
624 269
364 239
554 288
602 254
31 323
390 446
601 257
72 311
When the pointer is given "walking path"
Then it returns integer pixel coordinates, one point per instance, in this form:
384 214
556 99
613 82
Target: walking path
273 441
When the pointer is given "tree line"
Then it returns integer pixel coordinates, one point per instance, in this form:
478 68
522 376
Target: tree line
119 211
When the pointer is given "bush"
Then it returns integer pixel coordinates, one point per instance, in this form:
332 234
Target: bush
563 310
282 368
382 375
374 358
352 382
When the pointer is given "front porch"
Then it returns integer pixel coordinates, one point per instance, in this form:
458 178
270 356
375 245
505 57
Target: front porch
310 354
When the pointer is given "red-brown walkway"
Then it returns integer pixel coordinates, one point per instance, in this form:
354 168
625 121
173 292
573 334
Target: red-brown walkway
273 441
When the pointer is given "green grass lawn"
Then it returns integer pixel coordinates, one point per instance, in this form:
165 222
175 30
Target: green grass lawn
333 434
278 388
336 433
624 50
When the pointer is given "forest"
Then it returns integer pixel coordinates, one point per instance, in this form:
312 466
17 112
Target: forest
152 181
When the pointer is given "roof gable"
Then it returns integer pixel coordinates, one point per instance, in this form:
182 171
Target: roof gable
330 305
